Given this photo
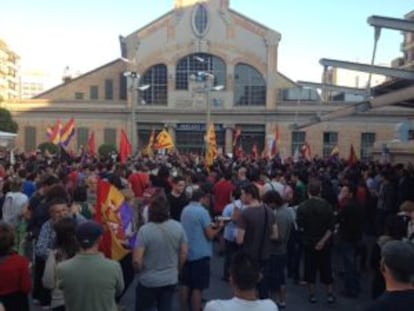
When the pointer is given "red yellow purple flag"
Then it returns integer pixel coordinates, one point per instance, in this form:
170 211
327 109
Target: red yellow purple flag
115 214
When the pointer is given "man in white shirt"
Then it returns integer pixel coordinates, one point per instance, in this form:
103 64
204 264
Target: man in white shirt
244 276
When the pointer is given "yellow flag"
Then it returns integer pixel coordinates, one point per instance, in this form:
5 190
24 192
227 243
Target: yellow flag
112 218
211 153
164 141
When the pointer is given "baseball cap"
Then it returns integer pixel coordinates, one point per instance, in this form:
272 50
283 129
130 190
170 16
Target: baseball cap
399 256
88 233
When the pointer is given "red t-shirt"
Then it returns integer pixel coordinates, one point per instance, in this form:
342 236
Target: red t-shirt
139 182
222 194
15 275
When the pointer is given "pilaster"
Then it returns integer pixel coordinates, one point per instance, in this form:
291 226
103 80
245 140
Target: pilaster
228 139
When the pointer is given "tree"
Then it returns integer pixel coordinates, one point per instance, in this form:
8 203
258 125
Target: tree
7 124
51 148
106 149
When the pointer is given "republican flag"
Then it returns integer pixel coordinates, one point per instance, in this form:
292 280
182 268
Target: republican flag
275 145
54 133
67 133
211 153
164 141
306 151
115 214
125 149
92 145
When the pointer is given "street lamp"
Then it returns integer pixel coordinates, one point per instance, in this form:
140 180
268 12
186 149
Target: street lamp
133 79
207 80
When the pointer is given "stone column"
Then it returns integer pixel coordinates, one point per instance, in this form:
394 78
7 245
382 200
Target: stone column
272 41
229 99
228 138
171 86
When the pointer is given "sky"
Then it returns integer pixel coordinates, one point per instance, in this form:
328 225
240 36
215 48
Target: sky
83 34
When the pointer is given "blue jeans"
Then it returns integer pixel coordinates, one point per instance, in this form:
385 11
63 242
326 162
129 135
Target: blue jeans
154 298
349 258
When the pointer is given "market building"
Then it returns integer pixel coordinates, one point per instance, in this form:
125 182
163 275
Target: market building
203 61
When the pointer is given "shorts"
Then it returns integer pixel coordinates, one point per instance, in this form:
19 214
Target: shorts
196 274
277 271
318 261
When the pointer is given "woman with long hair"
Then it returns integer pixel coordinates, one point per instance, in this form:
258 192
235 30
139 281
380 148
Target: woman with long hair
66 246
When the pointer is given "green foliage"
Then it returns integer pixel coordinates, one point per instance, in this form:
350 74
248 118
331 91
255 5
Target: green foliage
105 149
52 148
7 124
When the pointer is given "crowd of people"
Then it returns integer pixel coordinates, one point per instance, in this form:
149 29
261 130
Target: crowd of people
270 220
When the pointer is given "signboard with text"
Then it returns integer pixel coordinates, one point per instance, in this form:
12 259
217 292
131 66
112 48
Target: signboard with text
196 127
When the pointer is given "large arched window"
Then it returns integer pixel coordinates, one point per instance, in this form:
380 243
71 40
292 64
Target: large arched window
156 77
194 63
249 86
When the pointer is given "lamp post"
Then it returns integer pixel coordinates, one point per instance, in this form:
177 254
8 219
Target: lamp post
134 89
208 81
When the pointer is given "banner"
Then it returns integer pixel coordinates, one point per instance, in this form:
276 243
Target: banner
115 214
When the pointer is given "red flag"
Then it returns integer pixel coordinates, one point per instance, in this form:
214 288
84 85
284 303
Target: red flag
101 194
92 145
275 144
352 159
125 148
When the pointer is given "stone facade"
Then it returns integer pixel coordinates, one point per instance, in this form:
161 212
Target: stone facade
101 99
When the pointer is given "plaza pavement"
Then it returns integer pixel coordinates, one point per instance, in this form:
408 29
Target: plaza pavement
297 295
